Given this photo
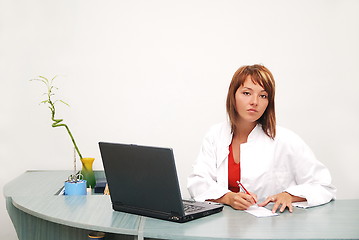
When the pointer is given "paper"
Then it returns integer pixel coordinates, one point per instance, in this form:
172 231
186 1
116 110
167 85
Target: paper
260 211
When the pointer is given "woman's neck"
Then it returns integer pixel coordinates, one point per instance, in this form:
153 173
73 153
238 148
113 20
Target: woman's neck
243 130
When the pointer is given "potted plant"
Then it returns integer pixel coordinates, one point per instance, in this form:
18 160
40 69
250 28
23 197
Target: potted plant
86 171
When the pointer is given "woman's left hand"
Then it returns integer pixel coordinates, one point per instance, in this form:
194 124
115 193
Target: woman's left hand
284 200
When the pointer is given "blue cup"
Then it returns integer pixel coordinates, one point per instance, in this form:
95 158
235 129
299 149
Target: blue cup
75 188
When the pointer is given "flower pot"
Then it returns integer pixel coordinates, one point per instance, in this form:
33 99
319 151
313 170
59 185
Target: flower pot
87 172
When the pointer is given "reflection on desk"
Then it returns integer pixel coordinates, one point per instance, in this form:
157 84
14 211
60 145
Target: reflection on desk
38 213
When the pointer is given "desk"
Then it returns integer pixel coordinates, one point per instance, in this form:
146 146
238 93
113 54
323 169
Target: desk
37 213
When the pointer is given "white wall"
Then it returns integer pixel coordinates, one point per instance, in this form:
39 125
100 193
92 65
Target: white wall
157 72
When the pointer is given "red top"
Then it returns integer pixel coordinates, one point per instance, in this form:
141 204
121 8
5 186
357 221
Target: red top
234 172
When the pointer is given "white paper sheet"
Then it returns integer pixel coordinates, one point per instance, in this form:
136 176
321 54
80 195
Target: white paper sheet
260 211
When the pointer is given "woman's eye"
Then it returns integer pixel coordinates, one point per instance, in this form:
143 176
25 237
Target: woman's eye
246 93
264 96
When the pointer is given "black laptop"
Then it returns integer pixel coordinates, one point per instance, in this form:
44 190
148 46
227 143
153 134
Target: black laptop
143 180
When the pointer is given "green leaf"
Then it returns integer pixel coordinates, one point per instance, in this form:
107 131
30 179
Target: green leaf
65 103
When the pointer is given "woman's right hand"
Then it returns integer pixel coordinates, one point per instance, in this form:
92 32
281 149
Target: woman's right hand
239 201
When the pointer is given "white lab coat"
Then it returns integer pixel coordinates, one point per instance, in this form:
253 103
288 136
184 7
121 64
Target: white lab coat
268 167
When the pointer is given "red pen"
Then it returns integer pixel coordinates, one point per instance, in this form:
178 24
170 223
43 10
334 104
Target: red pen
244 189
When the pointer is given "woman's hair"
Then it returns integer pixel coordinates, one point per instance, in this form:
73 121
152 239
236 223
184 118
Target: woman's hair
259 75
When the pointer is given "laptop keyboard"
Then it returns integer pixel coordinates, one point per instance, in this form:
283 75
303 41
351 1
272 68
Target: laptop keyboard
191 208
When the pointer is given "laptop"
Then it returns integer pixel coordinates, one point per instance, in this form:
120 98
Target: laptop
143 180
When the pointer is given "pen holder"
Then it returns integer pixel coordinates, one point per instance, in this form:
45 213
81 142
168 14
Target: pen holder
75 188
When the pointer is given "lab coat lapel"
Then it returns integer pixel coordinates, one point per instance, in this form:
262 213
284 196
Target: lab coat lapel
225 138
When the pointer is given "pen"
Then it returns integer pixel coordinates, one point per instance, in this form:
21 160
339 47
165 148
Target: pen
244 189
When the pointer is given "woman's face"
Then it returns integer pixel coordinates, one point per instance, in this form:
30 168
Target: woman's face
251 101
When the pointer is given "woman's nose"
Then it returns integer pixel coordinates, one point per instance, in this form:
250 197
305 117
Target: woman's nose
254 100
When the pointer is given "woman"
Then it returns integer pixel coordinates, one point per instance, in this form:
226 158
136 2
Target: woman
271 162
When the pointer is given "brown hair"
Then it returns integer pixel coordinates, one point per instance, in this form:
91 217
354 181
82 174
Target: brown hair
262 76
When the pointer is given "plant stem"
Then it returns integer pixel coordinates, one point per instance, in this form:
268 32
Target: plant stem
68 130
56 124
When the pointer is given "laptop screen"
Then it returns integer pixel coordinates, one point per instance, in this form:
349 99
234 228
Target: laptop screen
142 177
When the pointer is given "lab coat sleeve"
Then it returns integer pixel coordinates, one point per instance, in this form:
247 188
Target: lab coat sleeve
313 179
203 182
